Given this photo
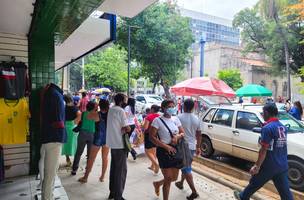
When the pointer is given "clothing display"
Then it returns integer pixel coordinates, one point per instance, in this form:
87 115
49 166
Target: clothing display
1 164
14 121
14 81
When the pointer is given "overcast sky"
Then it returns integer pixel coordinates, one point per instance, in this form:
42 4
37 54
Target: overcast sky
221 8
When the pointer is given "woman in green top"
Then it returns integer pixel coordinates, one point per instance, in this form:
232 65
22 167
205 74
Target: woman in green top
86 134
72 117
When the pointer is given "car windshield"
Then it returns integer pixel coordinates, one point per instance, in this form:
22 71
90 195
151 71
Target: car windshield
156 97
152 100
292 124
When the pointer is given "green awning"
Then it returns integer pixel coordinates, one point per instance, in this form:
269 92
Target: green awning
252 90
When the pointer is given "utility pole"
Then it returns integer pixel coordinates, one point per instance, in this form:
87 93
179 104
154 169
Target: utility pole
129 57
202 44
82 66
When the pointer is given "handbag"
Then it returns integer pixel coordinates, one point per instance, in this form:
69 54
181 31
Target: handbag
183 152
126 141
78 127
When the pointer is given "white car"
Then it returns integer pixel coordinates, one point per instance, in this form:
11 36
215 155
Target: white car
148 100
234 130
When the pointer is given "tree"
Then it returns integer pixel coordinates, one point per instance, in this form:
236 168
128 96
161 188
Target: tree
232 77
107 68
263 34
160 41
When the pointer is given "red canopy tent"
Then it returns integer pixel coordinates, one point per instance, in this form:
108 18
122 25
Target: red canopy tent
202 86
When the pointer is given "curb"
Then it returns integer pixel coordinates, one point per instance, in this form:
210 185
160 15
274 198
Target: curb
226 183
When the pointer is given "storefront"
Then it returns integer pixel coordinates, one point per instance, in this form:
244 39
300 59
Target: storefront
44 36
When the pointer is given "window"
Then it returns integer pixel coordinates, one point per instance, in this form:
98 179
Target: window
208 117
247 121
141 99
223 117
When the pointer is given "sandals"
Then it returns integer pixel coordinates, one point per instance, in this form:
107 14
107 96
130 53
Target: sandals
156 188
83 180
179 185
192 196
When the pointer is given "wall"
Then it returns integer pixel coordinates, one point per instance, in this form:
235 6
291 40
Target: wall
16 157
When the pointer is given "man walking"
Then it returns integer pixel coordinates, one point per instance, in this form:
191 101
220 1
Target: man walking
193 136
116 126
272 161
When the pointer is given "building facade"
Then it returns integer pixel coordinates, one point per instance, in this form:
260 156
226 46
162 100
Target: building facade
253 67
211 28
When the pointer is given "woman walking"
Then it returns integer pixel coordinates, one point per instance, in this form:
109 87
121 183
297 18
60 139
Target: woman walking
150 148
130 113
72 117
99 142
164 133
296 111
86 135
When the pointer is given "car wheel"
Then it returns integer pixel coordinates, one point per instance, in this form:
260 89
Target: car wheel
296 174
206 147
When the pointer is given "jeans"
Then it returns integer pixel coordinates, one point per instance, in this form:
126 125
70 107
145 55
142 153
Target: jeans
280 181
52 153
84 138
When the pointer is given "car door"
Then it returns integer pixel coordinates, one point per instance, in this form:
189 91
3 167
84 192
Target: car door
245 141
220 129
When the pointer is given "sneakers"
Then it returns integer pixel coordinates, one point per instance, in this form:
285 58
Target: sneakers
237 195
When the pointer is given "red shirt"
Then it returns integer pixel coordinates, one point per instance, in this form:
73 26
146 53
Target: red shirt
152 116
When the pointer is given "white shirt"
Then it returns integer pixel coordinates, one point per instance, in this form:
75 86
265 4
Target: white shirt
191 124
130 116
164 135
115 122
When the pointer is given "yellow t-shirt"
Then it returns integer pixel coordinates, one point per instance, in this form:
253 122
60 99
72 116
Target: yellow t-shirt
14 121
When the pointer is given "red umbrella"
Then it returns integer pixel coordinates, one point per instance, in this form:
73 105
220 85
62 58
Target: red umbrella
202 86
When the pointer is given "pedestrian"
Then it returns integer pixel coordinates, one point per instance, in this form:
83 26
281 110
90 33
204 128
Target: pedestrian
86 133
83 102
76 99
288 105
272 161
193 135
117 125
72 117
179 105
296 110
164 133
147 112
99 142
130 113
150 148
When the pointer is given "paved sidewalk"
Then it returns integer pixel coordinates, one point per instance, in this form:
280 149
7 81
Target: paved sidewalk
138 186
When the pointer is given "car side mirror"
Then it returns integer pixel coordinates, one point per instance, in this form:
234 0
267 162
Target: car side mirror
257 129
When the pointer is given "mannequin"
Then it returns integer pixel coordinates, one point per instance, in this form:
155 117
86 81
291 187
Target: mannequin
53 134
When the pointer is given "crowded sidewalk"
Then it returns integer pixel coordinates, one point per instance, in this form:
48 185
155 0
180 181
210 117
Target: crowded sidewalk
138 184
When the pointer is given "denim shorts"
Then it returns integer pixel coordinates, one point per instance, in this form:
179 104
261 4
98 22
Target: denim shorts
188 169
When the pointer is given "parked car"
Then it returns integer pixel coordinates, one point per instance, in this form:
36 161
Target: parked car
233 130
148 100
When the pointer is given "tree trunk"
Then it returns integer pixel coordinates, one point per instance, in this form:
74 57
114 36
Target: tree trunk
166 89
153 89
286 52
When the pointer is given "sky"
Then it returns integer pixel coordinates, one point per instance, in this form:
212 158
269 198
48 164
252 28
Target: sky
220 8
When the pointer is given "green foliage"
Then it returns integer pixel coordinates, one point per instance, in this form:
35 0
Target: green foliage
107 68
262 30
232 77
159 41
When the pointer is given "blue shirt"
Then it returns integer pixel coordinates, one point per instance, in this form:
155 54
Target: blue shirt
274 136
52 115
76 100
295 112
